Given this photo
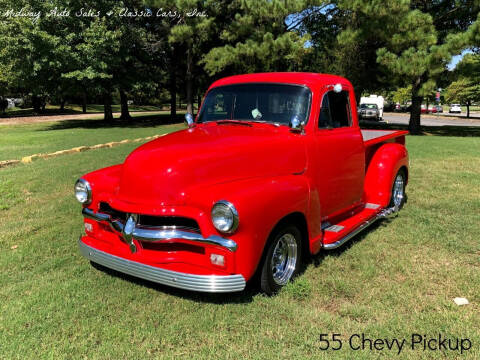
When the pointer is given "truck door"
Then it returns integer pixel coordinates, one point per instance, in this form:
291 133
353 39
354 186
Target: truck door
340 155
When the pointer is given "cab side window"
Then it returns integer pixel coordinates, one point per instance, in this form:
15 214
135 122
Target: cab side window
335 110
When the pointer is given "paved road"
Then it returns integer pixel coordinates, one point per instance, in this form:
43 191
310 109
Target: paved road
431 120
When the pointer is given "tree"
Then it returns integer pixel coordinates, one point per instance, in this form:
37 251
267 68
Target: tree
380 45
188 35
180 42
322 23
107 55
95 57
466 89
365 27
424 39
3 105
258 40
163 55
32 56
463 91
402 95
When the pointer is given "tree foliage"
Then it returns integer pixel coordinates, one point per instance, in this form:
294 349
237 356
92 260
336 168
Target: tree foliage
466 89
380 46
258 40
427 35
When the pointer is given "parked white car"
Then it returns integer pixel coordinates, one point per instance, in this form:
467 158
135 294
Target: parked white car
455 108
374 100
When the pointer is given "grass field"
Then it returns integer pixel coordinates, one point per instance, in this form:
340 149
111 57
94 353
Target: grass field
398 278
23 140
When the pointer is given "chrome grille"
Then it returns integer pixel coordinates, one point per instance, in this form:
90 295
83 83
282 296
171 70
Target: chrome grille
160 222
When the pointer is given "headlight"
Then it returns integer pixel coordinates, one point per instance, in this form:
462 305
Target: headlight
224 217
83 191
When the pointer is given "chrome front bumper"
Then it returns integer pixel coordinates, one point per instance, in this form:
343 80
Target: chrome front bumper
203 283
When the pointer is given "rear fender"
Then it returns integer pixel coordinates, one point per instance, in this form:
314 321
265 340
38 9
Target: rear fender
381 171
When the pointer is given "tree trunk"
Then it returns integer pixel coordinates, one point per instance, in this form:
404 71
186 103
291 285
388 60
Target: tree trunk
125 115
62 105
358 94
173 87
468 108
84 102
3 105
189 81
199 101
415 113
36 104
107 106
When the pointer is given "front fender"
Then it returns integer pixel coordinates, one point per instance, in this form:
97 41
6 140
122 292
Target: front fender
261 203
381 171
103 181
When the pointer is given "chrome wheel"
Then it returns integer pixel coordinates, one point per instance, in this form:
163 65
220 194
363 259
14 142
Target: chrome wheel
284 259
398 193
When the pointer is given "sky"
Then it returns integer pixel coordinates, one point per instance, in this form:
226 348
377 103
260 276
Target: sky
456 59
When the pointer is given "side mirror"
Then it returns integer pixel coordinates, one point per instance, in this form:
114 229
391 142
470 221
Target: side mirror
189 120
296 124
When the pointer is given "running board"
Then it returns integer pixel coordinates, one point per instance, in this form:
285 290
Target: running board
385 213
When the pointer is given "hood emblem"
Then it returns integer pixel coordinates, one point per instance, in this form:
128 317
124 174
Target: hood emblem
127 232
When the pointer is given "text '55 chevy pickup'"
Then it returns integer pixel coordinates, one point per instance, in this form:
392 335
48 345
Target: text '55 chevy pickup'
275 167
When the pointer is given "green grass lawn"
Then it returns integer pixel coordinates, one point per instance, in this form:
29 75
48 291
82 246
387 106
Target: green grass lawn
23 140
464 108
398 278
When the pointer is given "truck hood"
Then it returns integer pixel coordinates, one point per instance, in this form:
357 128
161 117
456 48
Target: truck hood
164 171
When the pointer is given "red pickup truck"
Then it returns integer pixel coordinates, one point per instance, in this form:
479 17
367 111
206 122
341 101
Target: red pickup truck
274 167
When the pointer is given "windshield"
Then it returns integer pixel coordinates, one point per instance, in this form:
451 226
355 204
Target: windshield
368 106
272 103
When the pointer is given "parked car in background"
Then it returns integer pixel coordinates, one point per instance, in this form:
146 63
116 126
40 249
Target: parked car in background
423 109
439 108
455 108
11 103
379 101
287 172
397 108
432 109
388 106
369 112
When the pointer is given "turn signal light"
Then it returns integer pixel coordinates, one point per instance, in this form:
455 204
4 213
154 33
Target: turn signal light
88 227
217 259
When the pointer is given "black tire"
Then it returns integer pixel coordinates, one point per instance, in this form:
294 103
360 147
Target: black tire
290 236
398 196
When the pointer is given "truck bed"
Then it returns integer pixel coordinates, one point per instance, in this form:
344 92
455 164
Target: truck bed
371 137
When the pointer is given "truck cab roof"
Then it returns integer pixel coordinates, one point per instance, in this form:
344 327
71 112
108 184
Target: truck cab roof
312 80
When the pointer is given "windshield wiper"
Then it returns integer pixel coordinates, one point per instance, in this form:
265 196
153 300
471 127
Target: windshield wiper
246 122
276 124
236 122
